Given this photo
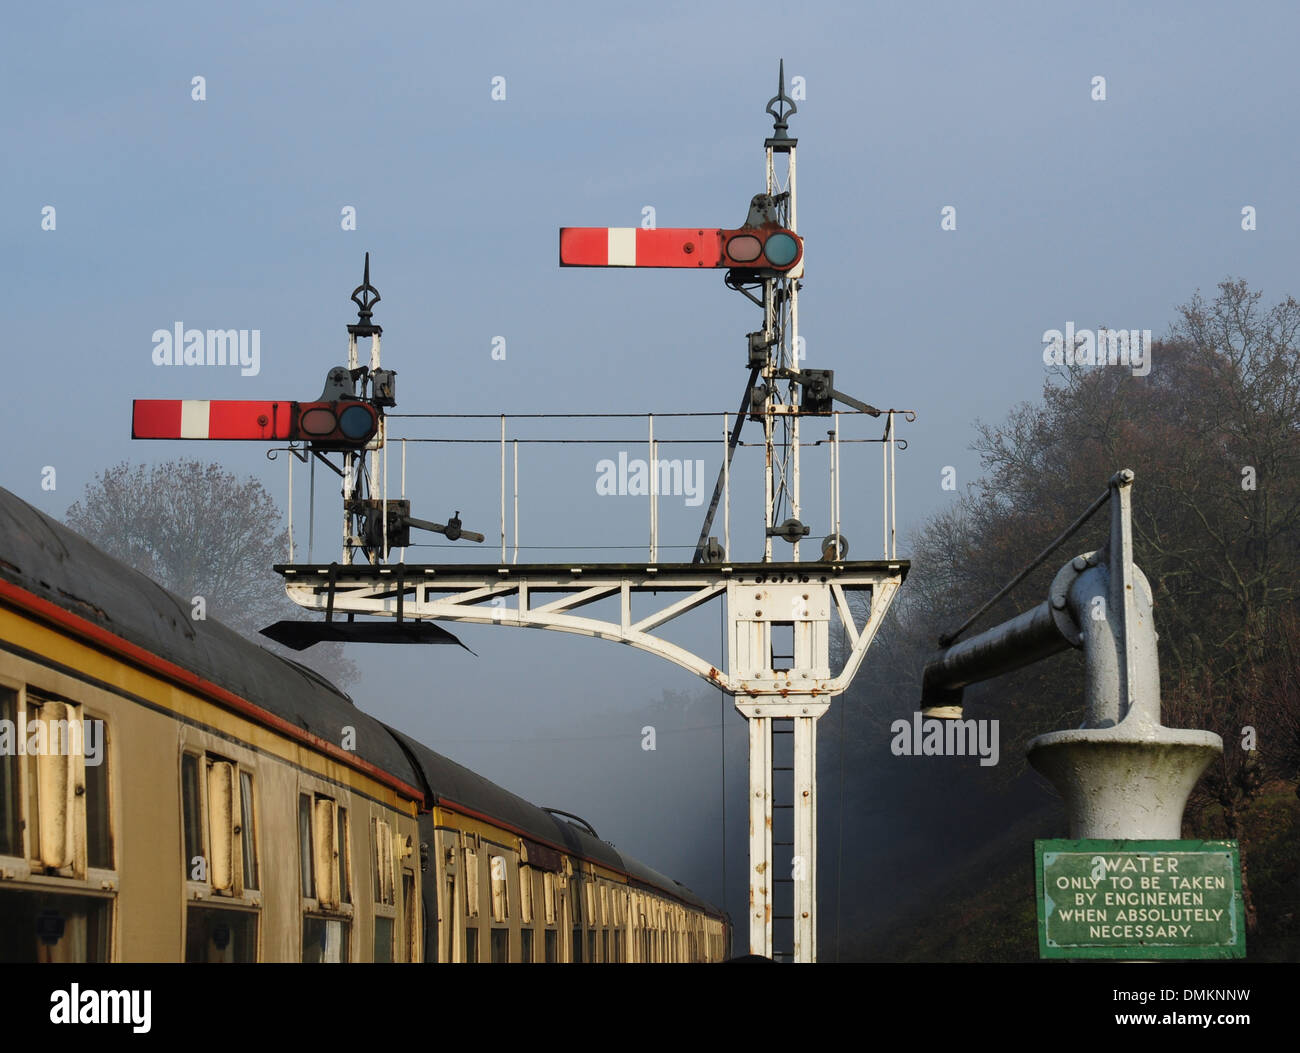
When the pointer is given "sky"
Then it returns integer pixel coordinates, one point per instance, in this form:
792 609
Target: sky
226 211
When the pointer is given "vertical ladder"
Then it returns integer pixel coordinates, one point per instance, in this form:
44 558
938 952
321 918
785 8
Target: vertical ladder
783 839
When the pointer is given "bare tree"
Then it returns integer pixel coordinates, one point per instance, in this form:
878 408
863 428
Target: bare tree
200 531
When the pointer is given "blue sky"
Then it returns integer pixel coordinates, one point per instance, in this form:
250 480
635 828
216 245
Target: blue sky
225 213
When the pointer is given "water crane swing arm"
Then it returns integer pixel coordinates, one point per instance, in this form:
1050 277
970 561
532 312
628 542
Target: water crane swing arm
1122 677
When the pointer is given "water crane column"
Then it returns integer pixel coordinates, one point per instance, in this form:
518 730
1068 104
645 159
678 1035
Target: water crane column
1123 775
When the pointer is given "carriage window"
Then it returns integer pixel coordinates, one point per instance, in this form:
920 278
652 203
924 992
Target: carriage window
500 906
11 831
552 946
222 819
526 894
218 819
577 943
413 949
53 927
215 935
471 883
54 806
308 885
324 940
383 860
191 807
345 859
33 821
56 818
99 839
501 945
471 944
383 939
526 945
248 837
548 897
322 852
447 923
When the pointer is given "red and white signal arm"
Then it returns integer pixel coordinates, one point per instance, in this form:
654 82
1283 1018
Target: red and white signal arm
769 248
205 419
340 425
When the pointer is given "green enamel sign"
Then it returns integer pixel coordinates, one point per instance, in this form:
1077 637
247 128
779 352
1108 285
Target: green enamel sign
1139 899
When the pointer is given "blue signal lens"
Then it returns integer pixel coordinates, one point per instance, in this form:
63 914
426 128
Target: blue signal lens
781 250
356 422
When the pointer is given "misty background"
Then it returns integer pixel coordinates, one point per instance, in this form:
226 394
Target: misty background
225 213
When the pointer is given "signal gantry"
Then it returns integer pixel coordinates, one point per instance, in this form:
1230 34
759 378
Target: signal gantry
778 612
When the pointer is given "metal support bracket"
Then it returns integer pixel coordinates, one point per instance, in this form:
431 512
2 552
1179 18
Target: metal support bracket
759 597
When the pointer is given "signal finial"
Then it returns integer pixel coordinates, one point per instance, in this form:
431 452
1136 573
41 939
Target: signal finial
781 140
369 297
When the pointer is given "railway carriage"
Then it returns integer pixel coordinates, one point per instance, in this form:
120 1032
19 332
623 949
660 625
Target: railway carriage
170 791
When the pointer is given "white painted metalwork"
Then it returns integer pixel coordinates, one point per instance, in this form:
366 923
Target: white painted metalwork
311 511
726 485
654 494
383 488
758 596
760 836
804 863
503 488
290 459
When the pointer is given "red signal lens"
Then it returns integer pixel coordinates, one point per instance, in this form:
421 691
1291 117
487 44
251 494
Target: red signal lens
319 421
744 248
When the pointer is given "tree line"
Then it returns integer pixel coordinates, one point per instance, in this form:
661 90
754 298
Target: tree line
1213 435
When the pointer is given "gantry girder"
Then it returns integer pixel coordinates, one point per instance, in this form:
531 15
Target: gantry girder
759 596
